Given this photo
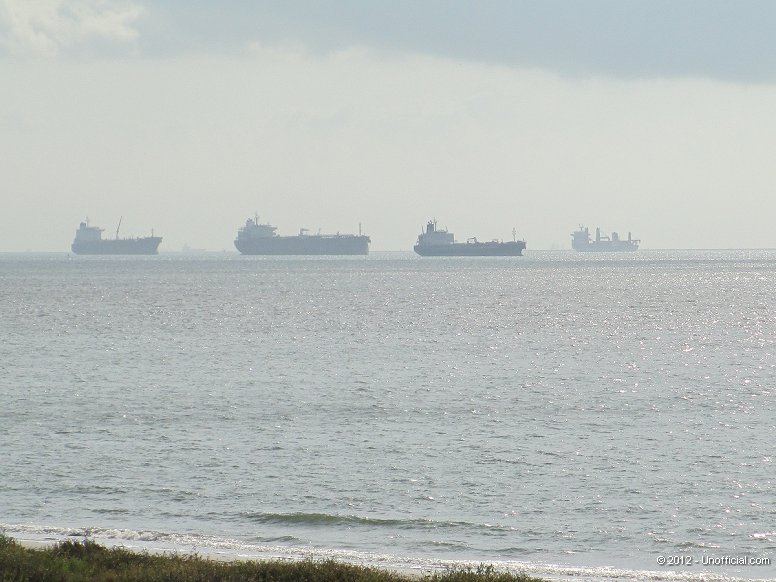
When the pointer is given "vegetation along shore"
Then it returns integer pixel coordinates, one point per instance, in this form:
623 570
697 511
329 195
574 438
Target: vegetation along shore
75 561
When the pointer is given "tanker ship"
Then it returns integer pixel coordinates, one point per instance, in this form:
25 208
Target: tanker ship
261 239
88 241
437 242
580 241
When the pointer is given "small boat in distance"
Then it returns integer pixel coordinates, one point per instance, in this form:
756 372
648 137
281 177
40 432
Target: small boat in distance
581 242
436 242
261 239
88 241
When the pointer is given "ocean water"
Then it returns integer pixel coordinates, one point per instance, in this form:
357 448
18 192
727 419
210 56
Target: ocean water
565 415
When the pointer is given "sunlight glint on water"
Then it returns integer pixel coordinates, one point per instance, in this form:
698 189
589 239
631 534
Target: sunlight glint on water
553 409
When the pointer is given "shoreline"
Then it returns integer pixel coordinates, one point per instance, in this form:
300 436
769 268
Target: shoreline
436 569
87 560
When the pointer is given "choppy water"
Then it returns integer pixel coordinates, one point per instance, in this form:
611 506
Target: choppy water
560 414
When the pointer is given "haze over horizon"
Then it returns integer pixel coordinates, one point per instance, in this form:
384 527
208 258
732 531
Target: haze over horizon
653 117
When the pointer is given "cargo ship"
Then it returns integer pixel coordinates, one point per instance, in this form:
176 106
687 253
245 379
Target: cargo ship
580 241
261 239
437 242
88 241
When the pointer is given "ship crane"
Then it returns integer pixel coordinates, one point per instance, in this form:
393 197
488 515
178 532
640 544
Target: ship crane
119 226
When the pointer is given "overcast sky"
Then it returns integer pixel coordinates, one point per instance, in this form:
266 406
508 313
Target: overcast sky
655 116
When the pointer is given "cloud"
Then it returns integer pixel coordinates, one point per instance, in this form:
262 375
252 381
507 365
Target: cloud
634 39
638 39
51 27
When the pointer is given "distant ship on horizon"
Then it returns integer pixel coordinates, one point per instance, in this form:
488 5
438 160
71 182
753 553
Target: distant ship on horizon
261 239
88 241
436 242
581 242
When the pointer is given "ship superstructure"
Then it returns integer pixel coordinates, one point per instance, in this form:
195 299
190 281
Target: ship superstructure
437 242
88 241
261 239
581 241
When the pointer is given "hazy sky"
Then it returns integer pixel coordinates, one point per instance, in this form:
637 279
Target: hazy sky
655 116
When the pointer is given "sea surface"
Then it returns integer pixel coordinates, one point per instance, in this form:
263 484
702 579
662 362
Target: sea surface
602 417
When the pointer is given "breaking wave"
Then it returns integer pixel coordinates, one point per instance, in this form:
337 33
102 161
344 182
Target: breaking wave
327 520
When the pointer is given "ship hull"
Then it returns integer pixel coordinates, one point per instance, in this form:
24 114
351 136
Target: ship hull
304 245
607 247
494 249
126 246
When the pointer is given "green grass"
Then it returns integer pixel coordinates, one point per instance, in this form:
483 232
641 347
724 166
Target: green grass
77 561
